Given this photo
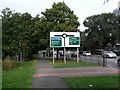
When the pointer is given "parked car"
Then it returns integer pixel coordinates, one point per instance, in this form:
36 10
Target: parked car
118 62
109 54
86 53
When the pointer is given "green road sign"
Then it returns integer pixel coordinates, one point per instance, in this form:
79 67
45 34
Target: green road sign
56 42
74 41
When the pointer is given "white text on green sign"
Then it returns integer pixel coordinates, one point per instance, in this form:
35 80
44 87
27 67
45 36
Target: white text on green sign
74 41
56 41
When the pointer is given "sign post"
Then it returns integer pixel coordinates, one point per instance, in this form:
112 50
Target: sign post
53 55
64 55
64 36
75 41
55 42
77 54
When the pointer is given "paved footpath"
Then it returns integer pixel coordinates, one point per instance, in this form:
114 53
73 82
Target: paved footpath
46 81
48 77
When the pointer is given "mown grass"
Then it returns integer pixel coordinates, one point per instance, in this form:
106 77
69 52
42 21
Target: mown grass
70 63
92 82
20 76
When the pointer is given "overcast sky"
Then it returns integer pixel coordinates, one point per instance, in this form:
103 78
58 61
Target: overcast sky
81 8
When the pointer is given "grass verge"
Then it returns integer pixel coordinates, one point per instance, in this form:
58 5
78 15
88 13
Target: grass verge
92 82
0 74
19 77
69 63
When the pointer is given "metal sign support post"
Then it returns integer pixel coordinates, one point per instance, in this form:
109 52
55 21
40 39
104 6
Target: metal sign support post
64 36
53 55
64 52
77 54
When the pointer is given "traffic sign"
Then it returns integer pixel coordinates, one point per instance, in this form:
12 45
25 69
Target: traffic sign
64 39
74 41
56 42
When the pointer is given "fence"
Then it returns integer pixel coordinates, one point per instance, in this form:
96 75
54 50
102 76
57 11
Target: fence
98 59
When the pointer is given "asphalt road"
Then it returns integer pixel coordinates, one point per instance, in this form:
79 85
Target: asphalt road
110 62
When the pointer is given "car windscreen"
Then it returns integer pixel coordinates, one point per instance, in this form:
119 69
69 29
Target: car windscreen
109 52
87 52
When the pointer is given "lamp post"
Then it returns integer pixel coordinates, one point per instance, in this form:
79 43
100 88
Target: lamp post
110 34
110 41
100 40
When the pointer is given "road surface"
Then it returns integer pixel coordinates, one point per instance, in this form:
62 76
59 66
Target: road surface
110 62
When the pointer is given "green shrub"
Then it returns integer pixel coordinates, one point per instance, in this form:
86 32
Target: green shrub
34 56
13 62
8 64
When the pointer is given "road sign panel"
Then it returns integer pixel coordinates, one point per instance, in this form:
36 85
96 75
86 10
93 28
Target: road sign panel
57 39
56 42
74 41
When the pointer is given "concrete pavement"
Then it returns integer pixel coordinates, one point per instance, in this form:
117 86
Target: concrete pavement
82 71
48 77
46 81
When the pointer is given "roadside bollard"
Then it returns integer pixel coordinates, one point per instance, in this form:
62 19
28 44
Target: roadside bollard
98 59
91 57
103 61
85 57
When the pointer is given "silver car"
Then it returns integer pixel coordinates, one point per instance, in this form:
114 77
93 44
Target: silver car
86 53
109 54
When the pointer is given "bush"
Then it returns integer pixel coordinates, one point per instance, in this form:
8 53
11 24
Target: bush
8 63
35 56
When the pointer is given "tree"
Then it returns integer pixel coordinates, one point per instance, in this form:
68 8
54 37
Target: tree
16 33
59 18
6 22
100 27
24 34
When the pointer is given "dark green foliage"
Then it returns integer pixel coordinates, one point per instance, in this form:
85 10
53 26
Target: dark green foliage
16 29
22 33
99 29
58 18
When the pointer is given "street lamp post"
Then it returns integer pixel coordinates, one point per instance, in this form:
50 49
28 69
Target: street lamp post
110 40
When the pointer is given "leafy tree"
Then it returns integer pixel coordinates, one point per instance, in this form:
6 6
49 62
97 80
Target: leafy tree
23 33
16 33
6 15
100 27
59 18
83 41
